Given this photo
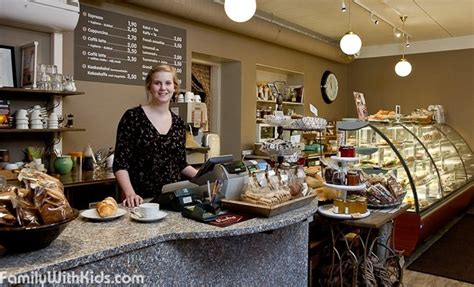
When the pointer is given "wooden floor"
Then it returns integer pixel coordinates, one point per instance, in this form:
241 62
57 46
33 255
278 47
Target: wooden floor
417 279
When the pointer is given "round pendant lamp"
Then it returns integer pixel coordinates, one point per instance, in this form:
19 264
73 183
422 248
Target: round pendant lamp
403 67
350 43
240 10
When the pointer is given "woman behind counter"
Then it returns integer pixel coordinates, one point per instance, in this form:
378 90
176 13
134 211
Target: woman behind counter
150 145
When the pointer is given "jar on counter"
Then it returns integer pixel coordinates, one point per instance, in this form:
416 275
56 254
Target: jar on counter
347 151
328 172
361 204
76 157
351 206
352 178
339 206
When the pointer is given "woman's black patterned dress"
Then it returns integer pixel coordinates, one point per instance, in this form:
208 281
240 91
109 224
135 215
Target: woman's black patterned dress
151 159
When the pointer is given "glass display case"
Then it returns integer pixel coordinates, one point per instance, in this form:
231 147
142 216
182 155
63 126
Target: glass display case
430 161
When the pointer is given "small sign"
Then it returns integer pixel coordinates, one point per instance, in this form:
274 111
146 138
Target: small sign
361 106
313 110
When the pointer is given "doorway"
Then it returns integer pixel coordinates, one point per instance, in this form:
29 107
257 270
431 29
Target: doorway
205 82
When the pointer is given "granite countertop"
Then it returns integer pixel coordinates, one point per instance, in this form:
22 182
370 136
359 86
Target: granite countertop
85 241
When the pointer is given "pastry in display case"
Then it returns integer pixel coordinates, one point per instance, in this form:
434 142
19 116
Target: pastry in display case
432 163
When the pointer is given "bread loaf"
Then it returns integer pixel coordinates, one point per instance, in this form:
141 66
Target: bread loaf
107 207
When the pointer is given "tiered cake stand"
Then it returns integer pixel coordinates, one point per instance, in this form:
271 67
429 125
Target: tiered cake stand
327 209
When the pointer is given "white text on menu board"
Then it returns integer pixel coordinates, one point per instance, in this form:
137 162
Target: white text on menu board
111 47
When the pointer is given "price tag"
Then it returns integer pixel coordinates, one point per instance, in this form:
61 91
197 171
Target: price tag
313 110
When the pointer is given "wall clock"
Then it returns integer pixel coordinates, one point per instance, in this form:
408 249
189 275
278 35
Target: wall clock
329 87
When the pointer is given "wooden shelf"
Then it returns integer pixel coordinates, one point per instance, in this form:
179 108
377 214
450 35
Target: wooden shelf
284 103
41 130
21 91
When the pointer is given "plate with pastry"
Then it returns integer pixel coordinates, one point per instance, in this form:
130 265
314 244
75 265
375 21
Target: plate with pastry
104 210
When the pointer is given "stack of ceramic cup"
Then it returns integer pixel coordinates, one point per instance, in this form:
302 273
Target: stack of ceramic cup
36 119
21 119
53 121
189 97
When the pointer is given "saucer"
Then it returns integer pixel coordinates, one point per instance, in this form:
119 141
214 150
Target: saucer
161 215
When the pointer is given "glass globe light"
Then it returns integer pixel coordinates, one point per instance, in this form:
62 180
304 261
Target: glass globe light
403 68
240 10
350 43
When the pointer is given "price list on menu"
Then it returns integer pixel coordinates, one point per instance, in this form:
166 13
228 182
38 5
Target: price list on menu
116 48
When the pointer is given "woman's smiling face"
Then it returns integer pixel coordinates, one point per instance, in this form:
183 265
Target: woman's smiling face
162 87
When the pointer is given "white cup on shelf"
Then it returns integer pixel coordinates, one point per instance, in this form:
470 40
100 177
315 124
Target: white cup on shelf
35 114
53 116
21 114
189 97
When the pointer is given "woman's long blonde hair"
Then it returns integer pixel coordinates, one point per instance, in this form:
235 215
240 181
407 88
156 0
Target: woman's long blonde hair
161 68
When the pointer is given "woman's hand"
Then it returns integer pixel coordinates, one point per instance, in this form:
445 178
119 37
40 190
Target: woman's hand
132 200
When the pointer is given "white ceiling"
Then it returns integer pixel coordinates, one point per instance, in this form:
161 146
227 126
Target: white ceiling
432 25
427 19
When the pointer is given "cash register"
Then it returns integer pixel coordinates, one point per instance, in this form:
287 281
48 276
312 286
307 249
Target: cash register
232 174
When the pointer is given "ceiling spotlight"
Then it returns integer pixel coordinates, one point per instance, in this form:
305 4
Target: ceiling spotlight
397 32
240 10
343 6
374 19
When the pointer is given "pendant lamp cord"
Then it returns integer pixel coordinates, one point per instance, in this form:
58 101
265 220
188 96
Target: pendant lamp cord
350 12
403 18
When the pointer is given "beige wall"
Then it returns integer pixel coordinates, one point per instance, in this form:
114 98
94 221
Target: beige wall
445 78
100 109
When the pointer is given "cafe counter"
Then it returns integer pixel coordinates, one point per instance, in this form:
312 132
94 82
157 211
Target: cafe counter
179 251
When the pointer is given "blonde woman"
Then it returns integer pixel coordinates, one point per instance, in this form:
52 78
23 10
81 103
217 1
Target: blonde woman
150 145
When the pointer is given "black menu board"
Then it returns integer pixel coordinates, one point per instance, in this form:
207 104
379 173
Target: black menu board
116 48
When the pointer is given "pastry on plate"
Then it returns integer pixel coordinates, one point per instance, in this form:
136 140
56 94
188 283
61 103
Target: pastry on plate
107 207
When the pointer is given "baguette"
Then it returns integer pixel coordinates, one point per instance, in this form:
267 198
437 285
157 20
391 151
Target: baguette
107 207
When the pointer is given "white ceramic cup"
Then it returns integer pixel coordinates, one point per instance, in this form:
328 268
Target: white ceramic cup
36 114
53 117
180 98
21 114
197 98
147 210
189 97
